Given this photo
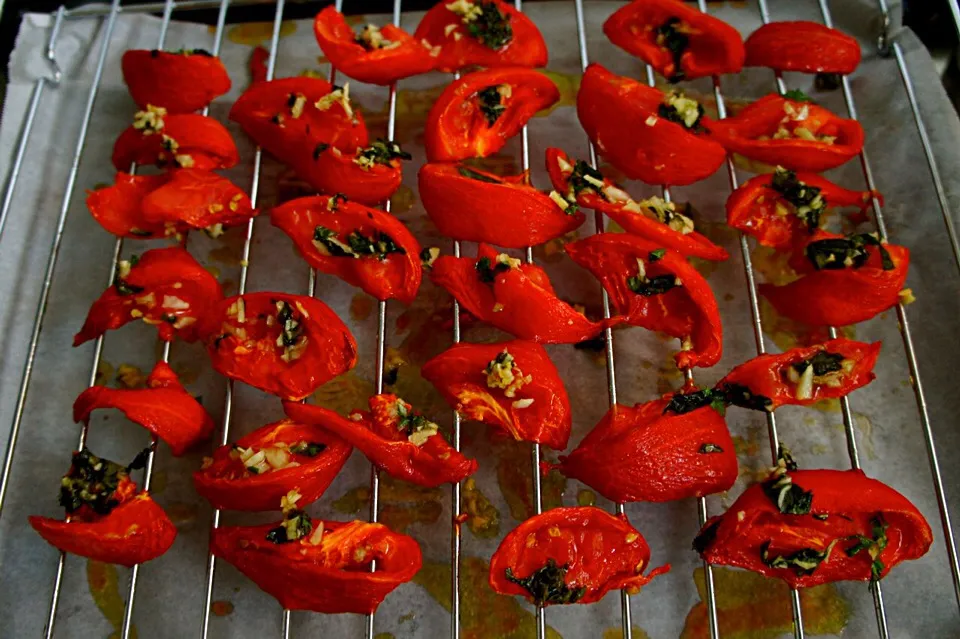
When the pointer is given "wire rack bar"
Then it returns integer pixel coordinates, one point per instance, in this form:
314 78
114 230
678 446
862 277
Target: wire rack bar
93 11
905 332
241 289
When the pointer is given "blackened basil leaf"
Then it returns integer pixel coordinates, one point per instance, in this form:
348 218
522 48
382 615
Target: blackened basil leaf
676 42
546 585
740 395
491 27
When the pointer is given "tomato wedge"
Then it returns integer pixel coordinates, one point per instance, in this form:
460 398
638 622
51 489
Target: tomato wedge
799 45
118 208
185 140
179 81
369 175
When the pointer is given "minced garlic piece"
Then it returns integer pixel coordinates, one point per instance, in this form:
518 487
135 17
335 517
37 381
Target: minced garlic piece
150 120
687 108
296 108
523 403
565 166
467 11
371 38
184 161
123 268
906 296
651 120
174 303
503 373
341 95
214 230
289 501
667 213
450 28
559 200
512 262
805 383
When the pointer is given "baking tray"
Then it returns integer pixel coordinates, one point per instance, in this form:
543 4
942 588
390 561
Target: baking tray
58 126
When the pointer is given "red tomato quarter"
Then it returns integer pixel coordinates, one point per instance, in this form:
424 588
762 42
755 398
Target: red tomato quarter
179 81
808 47
185 140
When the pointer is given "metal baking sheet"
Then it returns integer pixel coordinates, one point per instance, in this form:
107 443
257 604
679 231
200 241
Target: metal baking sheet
918 595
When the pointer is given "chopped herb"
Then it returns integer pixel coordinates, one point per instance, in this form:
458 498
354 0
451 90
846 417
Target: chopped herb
290 328
253 470
873 545
379 245
807 200
823 363
682 403
803 562
382 151
572 209
670 36
827 81
473 175
490 101
411 422
578 180
740 395
93 482
703 540
277 119
296 524
846 252
797 96
319 149
710 448
308 449
328 237
546 585
649 286
783 455
789 498
656 255
488 272
490 27
334 202
672 113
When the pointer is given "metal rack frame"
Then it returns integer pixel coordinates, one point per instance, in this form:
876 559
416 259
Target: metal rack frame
110 14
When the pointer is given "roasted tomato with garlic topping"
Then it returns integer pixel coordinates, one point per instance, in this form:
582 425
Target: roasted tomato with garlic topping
321 566
377 55
484 33
477 114
476 206
256 471
649 135
179 81
395 438
571 555
799 45
811 527
368 175
802 375
287 345
164 287
110 520
676 39
365 247
656 289
790 131
515 297
164 408
782 207
184 140
843 280
513 385
668 224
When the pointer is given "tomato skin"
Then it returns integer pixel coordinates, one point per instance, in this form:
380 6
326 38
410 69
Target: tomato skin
714 46
178 82
204 140
456 127
651 148
164 408
799 45
198 200
690 244
741 134
752 208
253 357
840 297
118 207
520 301
592 543
134 532
396 277
338 172
848 498
219 484
458 49
377 436
381 66
641 454
458 373
155 295
328 577
461 208
687 311
765 375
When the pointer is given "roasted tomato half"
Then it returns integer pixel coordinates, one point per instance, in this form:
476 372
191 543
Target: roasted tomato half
179 81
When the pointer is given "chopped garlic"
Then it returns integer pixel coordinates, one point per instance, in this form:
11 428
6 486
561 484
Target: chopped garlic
214 230
687 108
467 11
148 300
371 38
338 95
594 181
632 537
559 200
238 310
523 403
277 457
123 268
289 501
317 535
805 385
174 303
183 322
512 262
564 165
149 121
906 296
651 120
296 109
450 28
184 161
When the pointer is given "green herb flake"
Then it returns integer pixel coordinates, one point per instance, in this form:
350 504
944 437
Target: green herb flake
93 481
657 255
382 151
490 27
740 395
650 286
823 363
682 403
807 200
308 449
789 498
578 178
547 586
491 105
296 525
803 562
797 95
480 177
873 545
487 272
846 252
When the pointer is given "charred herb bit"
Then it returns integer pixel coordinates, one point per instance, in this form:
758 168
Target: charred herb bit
328 239
93 482
487 271
710 448
480 177
740 395
546 585
803 562
379 245
586 178
656 285
125 288
846 252
823 363
789 498
490 102
827 81
670 35
682 403
319 149
415 426
296 525
383 152
290 328
307 449
490 27
874 546
682 110
706 537
797 96
807 200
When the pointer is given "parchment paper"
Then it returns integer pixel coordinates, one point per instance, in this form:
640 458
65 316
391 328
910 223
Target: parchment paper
170 596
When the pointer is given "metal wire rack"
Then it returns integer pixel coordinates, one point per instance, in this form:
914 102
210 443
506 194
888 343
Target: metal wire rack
110 14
